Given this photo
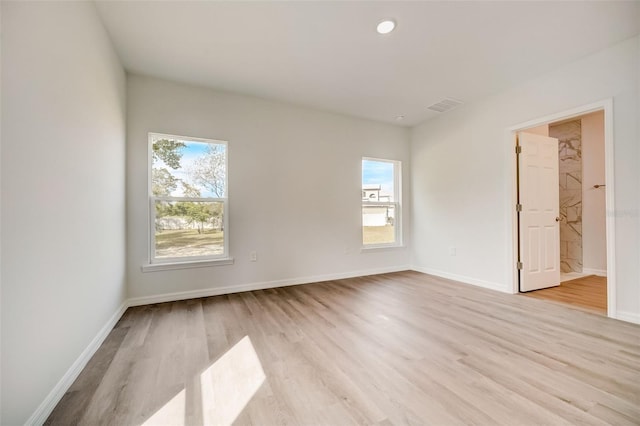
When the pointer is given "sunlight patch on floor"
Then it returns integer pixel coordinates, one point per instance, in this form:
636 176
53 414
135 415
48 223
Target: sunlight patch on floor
230 383
171 413
227 386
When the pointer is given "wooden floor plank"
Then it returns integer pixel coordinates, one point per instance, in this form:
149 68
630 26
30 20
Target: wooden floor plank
589 293
401 348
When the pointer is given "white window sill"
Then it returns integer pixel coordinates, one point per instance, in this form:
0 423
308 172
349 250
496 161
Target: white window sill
153 267
371 249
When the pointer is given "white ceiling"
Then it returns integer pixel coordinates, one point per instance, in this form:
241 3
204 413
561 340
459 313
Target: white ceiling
328 55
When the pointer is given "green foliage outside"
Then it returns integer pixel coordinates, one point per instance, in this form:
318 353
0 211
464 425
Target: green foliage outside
197 213
162 182
169 152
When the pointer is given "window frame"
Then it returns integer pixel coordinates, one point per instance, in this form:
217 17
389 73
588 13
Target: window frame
396 204
157 263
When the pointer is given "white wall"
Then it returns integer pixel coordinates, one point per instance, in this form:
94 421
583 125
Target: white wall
0 211
538 130
294 186
637 314
63 194
461 172
594 237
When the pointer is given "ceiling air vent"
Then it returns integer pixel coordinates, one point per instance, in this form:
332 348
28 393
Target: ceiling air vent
447 104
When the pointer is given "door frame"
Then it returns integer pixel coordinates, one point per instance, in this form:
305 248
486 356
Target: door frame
605 105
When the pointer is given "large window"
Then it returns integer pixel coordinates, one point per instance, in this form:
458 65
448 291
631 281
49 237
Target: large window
188 199
381 203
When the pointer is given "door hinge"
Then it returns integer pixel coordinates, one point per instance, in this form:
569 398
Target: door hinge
519 265
518 149
518 207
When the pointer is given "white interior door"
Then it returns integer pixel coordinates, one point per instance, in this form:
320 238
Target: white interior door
540 212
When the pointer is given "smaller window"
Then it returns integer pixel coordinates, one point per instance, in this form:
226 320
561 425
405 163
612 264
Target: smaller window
381 203
188 201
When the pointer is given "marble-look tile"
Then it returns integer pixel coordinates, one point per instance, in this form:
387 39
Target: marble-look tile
562 150
566 130
573 180
563 214
574 214
569 135
574 250
570 198
577 228
563 249
563 181
568 233
574 264
570 164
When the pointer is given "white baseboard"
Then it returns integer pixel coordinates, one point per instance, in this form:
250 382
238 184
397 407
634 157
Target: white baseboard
461 278
46 407
628 316
217 291
598 272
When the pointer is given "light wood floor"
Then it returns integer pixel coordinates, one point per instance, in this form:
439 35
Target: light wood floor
402 348
588 293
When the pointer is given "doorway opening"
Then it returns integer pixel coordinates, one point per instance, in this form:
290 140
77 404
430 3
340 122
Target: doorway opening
569 247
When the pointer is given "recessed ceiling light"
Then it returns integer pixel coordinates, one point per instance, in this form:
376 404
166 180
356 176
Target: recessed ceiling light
386 26
400 117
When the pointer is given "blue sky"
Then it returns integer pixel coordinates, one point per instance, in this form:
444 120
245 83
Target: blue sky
190 153
378 173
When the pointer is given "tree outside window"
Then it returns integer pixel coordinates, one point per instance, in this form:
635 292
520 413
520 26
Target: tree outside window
188 198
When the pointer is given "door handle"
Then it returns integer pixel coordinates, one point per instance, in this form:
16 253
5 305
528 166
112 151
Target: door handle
558 219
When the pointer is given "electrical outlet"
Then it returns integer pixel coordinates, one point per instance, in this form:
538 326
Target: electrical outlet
253 256
452 251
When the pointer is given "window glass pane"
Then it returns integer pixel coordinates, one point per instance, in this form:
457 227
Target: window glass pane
184 168
378 224
377 181
189 228
378 190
